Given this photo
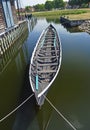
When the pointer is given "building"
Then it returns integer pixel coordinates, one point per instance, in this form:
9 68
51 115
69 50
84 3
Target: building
8 16
89 4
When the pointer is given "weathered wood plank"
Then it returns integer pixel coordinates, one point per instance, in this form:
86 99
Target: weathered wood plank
46 71
47 57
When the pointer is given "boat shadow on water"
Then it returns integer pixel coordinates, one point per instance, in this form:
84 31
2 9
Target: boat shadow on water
27 112
26 116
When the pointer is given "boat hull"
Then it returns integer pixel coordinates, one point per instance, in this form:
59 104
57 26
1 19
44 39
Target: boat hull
45 63
41 99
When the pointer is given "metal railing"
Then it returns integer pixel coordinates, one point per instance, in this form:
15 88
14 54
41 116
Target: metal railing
8 38
10 43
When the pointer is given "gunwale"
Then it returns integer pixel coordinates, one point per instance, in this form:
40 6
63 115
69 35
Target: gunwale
40 52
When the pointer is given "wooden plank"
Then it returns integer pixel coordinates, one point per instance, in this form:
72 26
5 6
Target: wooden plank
47 71
47 57
50 51
42 65
49 36
48 46
50 64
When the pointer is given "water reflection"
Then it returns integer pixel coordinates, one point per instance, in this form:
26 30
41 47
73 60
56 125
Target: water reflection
54 20
31 23
69 93
30 116
73 30
12 72
27 112
10 54
15 48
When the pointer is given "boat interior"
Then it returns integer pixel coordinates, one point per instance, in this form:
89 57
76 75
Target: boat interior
46 60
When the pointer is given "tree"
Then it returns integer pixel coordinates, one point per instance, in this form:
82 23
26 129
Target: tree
86 1
27 8
48 5
78 2
39 7
58 3
72 2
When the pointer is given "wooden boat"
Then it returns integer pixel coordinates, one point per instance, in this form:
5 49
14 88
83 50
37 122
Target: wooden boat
45 63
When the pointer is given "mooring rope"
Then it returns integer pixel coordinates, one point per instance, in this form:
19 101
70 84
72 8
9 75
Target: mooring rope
47 124
68 122
9 114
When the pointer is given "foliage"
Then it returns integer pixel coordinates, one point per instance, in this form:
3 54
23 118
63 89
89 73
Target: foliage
27 8
84 5
55 4
78 2
49 5
58 3
39 7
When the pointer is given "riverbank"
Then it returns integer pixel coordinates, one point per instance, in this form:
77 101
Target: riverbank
76 16
73 14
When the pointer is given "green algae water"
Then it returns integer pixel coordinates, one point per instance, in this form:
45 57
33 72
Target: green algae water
69 93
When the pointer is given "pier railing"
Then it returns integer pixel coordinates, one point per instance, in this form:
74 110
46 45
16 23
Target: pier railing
10 43
8 38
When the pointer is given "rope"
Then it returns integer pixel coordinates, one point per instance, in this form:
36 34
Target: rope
9 114
47 124
60 113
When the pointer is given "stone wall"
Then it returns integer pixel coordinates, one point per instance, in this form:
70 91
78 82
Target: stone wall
85 26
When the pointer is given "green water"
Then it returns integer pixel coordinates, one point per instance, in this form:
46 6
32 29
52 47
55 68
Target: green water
69 93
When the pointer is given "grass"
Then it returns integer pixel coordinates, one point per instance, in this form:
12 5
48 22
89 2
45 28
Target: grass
71 13
80 16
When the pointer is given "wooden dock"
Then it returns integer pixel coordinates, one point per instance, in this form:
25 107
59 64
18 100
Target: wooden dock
71 23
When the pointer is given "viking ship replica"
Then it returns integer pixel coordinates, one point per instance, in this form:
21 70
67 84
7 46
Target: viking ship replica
45 63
